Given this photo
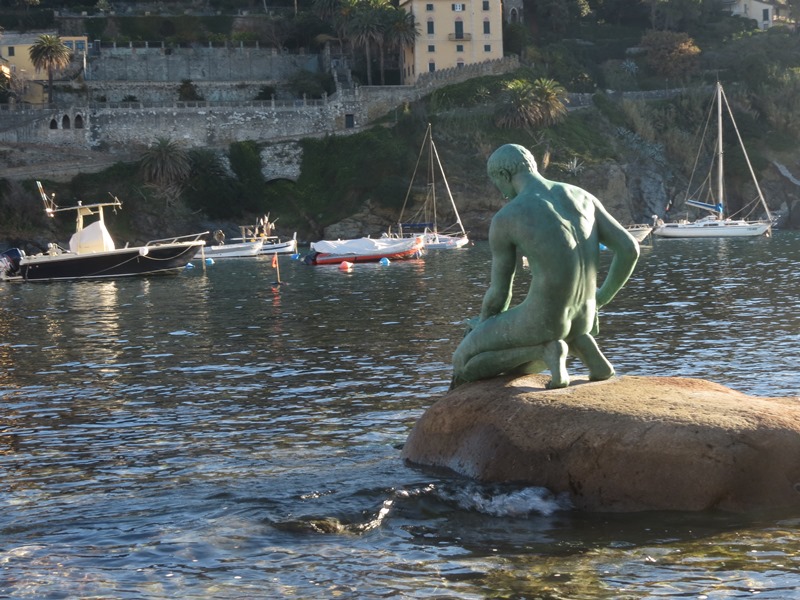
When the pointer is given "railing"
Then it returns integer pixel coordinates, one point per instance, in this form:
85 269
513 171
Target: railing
296 104
459 37
181 239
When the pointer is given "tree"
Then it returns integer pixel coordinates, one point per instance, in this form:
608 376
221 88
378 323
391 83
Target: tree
401 33
165 166
529 105
365 29
49 53
670 54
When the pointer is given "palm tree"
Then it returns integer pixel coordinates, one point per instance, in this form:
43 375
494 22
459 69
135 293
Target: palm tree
530 105
551 98
165 166
401 34
49 53
365 29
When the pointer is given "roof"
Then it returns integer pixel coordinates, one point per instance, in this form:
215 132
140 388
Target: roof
28 38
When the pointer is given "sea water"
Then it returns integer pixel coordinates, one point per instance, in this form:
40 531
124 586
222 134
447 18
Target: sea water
214 435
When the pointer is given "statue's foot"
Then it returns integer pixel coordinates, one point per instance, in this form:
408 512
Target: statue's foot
599 367
602 374
555 356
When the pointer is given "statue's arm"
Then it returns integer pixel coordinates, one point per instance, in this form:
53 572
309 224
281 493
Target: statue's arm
626 252
504 264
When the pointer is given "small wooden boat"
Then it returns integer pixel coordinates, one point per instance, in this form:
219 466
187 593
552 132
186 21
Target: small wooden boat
640 231
242 249
270 243
364 250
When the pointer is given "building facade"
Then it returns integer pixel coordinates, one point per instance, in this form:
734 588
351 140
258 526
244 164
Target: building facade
763 12
452 35
26 80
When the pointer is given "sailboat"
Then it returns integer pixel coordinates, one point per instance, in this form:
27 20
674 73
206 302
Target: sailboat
426 220
716 223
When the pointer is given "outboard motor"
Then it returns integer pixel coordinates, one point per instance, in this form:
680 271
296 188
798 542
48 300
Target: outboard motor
9 262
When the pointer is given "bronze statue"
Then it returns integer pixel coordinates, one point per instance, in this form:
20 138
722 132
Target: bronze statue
558 227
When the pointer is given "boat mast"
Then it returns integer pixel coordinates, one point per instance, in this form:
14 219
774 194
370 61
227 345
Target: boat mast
447 187
432 178
746 157
720 192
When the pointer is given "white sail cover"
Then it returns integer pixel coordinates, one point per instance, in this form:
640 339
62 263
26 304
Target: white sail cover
364 246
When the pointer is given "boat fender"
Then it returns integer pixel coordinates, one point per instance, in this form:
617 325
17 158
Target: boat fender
295 256
384 261
345 266
209 261
144 251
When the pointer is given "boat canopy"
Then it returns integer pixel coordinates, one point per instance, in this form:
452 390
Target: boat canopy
92 238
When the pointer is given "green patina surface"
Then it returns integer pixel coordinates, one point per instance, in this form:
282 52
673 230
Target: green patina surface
558 227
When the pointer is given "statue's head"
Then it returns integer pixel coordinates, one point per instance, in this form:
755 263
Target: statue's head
507 161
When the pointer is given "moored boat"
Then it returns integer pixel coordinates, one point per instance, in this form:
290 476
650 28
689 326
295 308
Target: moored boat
270 243
640 231
717 223
92 253
428 218
221 250
330 252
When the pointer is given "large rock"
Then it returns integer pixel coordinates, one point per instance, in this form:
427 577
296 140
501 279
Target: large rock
627 444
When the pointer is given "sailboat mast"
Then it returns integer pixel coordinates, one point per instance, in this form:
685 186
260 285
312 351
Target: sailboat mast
432 178
720 174
447 187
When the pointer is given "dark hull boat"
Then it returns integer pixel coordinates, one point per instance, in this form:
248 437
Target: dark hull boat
93 255
115 263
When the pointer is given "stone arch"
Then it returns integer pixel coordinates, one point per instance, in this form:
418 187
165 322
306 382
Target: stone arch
53 124
65 122
78 124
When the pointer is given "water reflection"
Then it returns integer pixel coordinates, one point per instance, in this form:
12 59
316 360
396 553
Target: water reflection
206 436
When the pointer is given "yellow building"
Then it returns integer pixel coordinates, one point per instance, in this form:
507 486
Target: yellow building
15 50
452 34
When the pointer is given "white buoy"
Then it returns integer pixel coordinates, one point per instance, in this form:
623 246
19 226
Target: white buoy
189 266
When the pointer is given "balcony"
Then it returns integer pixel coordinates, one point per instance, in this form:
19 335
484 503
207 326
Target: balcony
456 37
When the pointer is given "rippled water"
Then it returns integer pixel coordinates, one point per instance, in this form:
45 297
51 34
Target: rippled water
202 436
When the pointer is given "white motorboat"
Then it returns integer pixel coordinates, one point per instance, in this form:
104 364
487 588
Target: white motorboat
92 253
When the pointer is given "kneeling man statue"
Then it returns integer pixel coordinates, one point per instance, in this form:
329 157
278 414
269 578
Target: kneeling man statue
558 227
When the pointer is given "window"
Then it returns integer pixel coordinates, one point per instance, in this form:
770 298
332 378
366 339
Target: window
11 50
429 7
431 48
349 121
459 7
430 27
486 28
485 4
68 44
460 64
80 46
487 47
459 47
459 30
431 67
